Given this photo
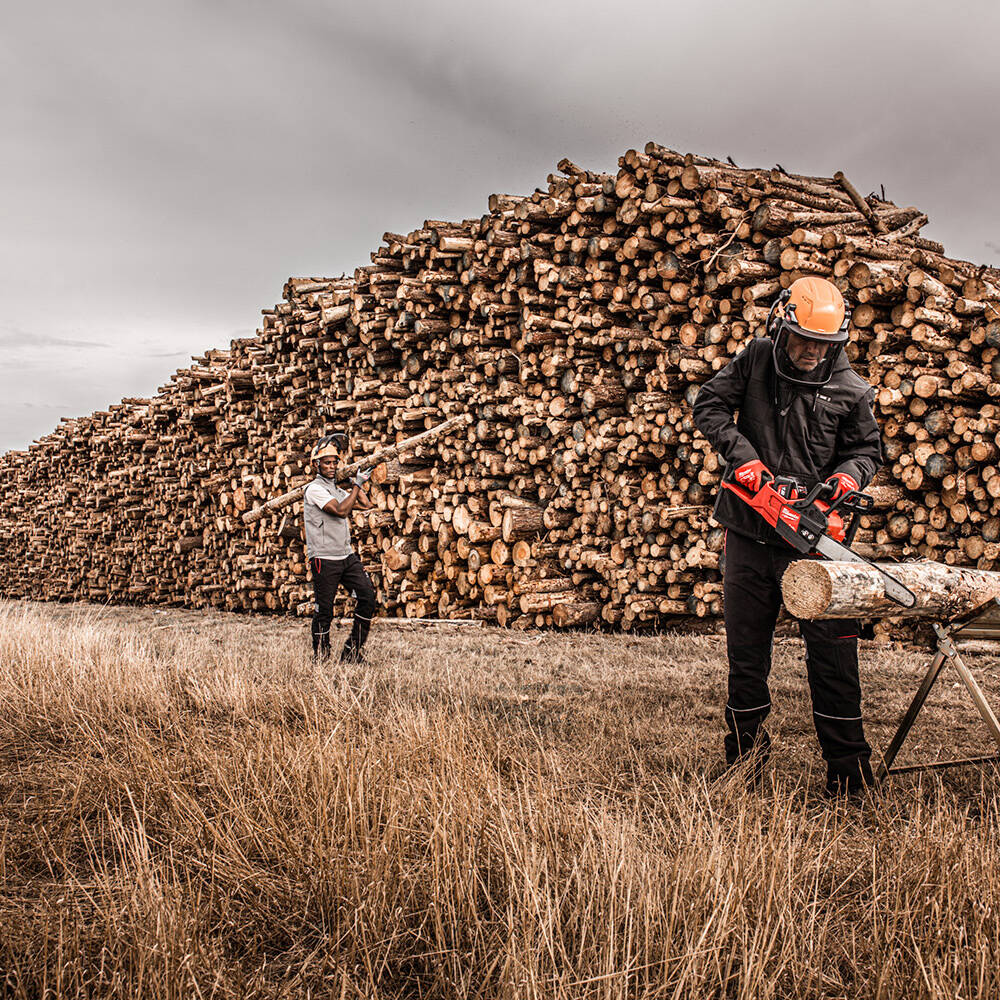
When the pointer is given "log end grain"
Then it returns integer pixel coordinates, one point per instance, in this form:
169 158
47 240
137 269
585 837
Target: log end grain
806 591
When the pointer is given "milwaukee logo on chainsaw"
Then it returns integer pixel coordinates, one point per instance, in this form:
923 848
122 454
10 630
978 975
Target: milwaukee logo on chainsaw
789 517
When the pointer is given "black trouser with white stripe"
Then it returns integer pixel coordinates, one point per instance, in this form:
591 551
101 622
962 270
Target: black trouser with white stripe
328 575
752 592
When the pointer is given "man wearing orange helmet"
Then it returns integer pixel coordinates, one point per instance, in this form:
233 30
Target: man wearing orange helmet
803 412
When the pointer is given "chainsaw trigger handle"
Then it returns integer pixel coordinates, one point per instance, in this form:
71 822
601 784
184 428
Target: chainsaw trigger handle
857 501
786 487
820 492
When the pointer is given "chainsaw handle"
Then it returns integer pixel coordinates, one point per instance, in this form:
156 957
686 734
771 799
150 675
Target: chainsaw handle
856 501
849 506
821 491
786 487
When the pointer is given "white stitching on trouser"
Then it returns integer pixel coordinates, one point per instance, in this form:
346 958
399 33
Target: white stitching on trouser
318 634
838 718
756 709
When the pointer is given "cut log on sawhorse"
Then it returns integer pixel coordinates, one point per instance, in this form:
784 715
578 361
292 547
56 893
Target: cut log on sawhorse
981 623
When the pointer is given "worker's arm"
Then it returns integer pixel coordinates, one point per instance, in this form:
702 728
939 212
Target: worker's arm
356 498
717 401
341 508
859 443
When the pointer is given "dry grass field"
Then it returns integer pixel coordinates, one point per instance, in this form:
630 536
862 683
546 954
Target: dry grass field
190 808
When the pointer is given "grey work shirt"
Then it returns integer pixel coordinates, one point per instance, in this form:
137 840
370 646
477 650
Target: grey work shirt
327 535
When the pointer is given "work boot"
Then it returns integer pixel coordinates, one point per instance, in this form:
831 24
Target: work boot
350 654
750 748
752 765
321 640
849 782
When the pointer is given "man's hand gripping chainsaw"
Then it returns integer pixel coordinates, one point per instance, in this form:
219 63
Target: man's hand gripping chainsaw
811 524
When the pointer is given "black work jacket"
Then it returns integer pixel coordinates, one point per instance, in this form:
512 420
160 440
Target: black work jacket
808 433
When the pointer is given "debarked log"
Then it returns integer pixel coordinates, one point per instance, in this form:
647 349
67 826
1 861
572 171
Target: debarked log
814 588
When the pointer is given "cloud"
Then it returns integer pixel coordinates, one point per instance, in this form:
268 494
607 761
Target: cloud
14 337
173 163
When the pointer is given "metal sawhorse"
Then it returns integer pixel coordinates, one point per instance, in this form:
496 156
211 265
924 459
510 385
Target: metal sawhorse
982 622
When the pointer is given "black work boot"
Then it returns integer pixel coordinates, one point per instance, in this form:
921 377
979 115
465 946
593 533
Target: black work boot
351 654
754 765
321 639
750 759
849 780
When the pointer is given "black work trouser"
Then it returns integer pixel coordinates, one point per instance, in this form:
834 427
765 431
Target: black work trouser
752 594
328 575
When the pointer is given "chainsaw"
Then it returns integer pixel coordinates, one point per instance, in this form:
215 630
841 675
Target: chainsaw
817 523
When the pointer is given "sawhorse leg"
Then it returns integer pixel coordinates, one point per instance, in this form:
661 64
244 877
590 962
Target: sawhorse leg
978 697
911 713
945 651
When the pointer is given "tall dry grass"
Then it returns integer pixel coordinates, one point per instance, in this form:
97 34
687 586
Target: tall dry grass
199 811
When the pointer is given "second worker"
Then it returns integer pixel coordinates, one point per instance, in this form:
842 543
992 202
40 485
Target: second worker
332 558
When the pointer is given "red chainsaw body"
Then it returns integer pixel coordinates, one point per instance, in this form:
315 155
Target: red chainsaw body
774 506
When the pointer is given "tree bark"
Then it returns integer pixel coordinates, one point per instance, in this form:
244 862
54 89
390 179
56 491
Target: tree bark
817 588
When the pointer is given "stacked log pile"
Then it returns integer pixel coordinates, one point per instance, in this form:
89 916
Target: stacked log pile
576 325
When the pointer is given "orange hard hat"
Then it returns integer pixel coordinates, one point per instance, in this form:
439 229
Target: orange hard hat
813 307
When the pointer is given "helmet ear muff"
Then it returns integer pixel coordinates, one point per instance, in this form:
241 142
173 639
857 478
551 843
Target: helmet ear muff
777 308
848 312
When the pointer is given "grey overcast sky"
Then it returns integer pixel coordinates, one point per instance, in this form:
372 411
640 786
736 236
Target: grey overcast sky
165 166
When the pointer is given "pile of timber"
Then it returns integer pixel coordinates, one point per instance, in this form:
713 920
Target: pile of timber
575 324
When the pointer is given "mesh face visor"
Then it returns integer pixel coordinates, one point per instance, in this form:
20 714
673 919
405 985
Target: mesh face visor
781 324
791 372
